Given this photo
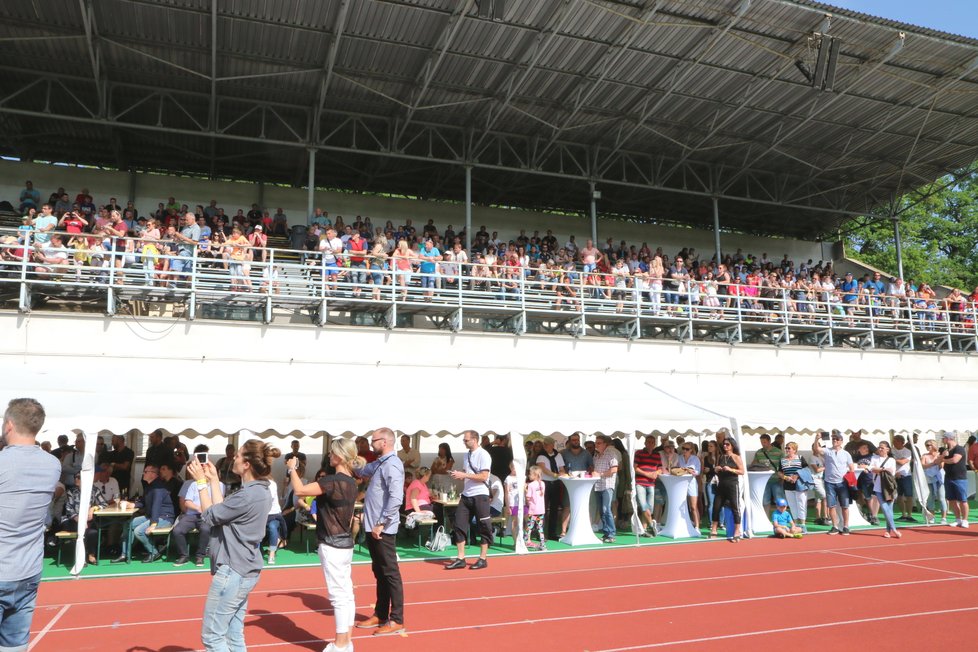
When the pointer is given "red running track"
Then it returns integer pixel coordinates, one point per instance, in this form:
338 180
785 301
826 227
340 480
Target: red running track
811 594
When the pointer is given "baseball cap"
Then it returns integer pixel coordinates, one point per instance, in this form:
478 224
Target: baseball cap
259 228
836 434
948 435
781 502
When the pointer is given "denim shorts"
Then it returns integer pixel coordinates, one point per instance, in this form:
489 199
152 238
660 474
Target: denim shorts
837 494
428 281
956 490
17 599
645 497
772 491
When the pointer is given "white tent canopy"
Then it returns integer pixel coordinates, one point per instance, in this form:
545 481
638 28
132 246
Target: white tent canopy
120 395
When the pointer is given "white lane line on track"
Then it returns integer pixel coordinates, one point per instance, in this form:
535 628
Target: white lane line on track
455 579
47 628
782 630
907 563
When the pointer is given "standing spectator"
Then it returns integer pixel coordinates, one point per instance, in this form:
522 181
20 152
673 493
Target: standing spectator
551 465
63 447
903 457
689 462
186 239
409 457
429 256
838 462
931 461
120 460
71 463
356 248
576 459
730 466
156 452
881 464
818 479
237 527
768 458
29 197
44 224
335 495
295 453
795 492
956 479
535 509
708 459
28 477
441 466
280 224
474 501
381 517
606 468
225 469
648 465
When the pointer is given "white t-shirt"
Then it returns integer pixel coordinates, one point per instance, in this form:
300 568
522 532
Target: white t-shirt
330 248
495 493
544 462
475 461
878 462
273 489
902 454
512 490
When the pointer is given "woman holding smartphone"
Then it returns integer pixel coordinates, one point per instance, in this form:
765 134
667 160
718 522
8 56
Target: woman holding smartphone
335 498
237 525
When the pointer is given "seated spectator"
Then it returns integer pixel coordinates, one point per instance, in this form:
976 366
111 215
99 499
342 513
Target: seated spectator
363 450
280 224
275 524
71 462
70 517
784 524
172 483
158 511
225 469
191 520
441 466
418 499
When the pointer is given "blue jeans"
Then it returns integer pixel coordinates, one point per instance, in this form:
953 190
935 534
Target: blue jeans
645 496
222 627
16 612
711 493
276 529
887 512
607 520
936 499
138 526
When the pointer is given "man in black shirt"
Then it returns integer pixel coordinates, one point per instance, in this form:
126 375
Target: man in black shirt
120 460
501 455
295 453
156 453
956 478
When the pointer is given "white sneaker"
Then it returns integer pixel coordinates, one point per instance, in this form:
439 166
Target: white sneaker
943 521
332 648
965 524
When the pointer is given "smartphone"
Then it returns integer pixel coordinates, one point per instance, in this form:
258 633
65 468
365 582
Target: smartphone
825 436
201 457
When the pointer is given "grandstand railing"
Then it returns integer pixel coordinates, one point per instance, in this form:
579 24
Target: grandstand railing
473 296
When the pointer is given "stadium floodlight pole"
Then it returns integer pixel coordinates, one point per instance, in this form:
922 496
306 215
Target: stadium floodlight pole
899 245
594 213
716 227
311 195
468 209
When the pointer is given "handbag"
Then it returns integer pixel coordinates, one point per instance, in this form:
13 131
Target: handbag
438 541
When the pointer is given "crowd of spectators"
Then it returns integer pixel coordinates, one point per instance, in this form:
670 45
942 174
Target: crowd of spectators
356 257
798 493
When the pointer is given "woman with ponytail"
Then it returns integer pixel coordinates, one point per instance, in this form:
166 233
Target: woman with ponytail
335 498
237 525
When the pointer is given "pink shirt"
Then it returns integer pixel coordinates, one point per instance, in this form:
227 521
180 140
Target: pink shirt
535 503
424 498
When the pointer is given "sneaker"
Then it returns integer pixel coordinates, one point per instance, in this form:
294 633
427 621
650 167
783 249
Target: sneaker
182 560
944 521
645 534
608 540
389 628
956 523
965 524
199 562
655 528
480 564
845 531
543 547
797 535
834 530
333 648
458 563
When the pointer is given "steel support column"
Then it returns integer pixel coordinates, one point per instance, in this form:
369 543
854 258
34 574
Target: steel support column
716 228
899 246
311 196
594 214
132 185
468 209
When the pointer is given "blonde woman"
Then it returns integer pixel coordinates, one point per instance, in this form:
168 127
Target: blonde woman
377 261
335 498
402 259
656 273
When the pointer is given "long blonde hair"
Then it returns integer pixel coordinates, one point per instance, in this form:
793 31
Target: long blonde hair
346 451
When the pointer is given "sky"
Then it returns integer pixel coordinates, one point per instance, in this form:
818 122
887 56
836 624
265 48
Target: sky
954 16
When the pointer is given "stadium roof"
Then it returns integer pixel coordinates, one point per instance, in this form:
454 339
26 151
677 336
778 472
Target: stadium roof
663 103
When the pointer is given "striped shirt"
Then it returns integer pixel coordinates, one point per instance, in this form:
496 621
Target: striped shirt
648 462
790 467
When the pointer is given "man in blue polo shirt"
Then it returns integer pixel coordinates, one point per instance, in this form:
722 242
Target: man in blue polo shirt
849 289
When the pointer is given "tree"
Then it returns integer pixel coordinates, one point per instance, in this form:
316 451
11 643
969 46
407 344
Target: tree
939 234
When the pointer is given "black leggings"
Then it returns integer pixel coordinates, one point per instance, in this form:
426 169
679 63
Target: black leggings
728 495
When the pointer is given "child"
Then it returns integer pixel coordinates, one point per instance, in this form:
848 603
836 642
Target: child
784 525
535 507
512 487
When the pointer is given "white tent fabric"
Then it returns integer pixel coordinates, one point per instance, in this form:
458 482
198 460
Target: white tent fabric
84 502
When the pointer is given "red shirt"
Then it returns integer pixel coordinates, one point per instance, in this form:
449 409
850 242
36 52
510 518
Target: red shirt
646 461
356 245
73 225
